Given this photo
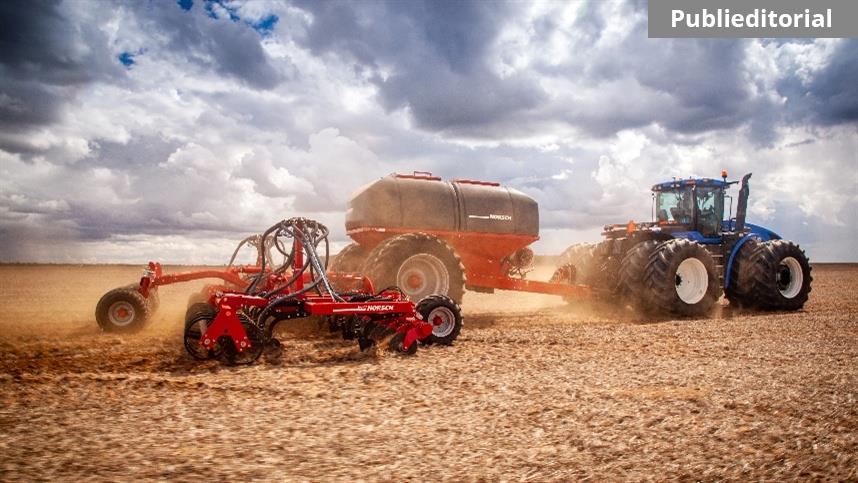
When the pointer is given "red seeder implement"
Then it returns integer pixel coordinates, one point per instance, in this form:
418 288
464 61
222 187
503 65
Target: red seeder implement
238 325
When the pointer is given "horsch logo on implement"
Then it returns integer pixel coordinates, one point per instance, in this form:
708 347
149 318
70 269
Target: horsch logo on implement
367 308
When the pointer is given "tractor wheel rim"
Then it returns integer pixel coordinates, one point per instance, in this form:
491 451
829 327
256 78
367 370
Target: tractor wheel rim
790 277
443 321
121 313
692 281
421 275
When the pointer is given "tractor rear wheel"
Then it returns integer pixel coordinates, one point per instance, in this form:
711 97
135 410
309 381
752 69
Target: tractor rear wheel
581 257
445 315
680 278
122 310
349 259
630 276
419 264
779 276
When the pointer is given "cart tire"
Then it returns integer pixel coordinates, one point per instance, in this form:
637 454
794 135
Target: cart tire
122 310
419 264
349 260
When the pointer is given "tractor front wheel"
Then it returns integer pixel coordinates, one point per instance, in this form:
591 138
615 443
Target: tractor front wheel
779 276
122 310
680 278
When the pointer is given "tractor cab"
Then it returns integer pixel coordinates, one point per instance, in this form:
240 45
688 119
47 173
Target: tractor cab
690 205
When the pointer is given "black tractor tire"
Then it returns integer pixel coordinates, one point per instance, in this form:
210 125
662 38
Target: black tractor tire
446 318
349 260
740 290
581 256
122 310
630 284
391 261
691 294
779 276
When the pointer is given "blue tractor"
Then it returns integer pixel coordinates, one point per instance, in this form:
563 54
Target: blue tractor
682 261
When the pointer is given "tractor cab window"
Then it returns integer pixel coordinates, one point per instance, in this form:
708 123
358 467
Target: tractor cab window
675 207
710 209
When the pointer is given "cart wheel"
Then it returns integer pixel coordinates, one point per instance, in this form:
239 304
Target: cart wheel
122 310
445 316
396 344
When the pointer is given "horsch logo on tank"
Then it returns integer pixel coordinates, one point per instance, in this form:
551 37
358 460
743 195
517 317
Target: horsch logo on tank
492 217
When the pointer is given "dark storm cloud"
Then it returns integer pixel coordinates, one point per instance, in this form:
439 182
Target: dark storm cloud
436 55
43 58
832 96
227 46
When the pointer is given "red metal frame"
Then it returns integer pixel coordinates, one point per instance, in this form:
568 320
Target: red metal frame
227 322
155 276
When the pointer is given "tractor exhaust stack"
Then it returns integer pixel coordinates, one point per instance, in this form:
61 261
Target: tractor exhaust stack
742 205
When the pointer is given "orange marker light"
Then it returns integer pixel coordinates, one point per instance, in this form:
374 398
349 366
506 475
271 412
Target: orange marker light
724 173
631 227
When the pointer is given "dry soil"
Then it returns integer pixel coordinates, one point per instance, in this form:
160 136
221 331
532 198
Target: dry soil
532 390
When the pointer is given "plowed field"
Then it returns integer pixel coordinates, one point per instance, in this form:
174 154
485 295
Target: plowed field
532 390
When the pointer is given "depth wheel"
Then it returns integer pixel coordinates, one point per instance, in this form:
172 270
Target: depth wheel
122 310
249 355
397 342
445 315
680 278
198 319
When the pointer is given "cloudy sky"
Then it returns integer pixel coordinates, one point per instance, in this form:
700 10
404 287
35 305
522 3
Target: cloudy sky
169 130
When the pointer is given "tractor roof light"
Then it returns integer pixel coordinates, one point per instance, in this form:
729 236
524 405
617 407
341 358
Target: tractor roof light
724 174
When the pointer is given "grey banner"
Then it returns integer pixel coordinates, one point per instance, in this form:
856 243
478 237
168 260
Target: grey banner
753 18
